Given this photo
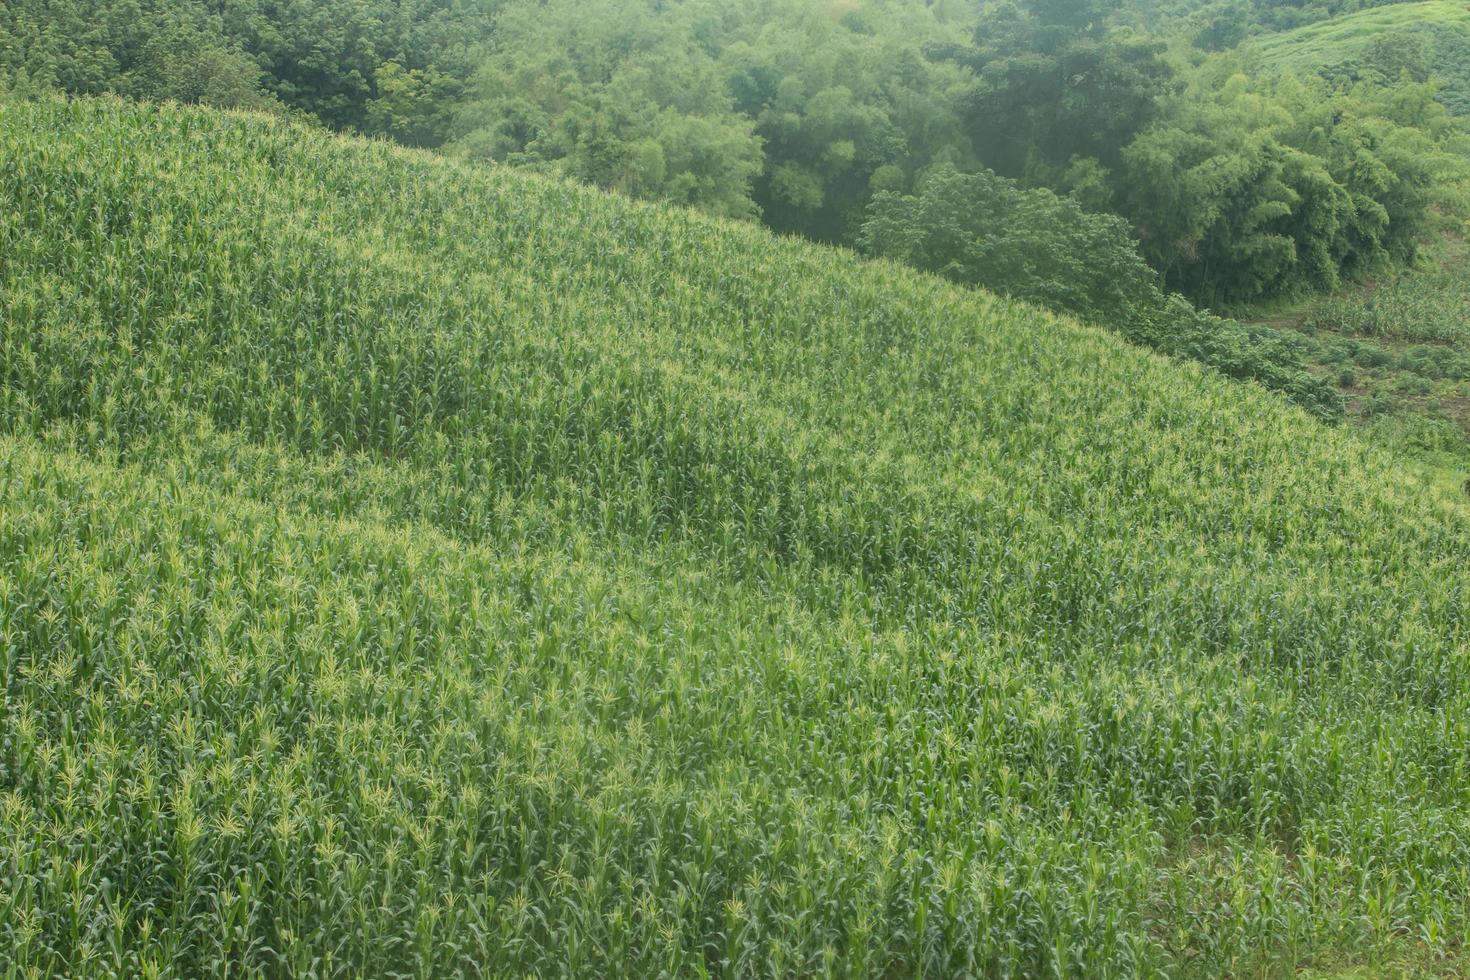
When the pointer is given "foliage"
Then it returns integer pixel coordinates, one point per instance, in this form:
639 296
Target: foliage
1221 26
800 112
1240 188
189 66
845 107
331 58
1426 37
1250 189
1413 306
412 106
610 93
1399 347
979 229
85 46
391 67
779 108
412 568
1284 15
1053 85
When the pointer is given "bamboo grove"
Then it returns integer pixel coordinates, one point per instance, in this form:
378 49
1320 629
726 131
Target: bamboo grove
412 569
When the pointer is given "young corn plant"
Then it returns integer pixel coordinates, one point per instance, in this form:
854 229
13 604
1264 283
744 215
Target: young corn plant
410 569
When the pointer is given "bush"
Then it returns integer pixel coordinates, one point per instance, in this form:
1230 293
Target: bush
186 65
983 230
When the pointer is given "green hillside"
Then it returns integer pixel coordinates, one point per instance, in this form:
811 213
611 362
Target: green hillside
1438 32
1349 34
408 568
1397 341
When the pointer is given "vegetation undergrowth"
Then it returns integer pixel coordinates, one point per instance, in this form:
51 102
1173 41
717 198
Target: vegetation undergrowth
1398 348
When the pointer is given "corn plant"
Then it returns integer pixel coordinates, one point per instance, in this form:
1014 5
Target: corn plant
409 569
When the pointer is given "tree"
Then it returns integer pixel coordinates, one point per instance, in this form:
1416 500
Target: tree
843 106
981 229
323 57
187 65
614 96
1248 189
1053 86
412 105
1222 26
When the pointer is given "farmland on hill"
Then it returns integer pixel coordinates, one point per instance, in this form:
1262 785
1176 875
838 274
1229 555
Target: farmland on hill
1399 347
1433 34
409 568
1331 40
1397 340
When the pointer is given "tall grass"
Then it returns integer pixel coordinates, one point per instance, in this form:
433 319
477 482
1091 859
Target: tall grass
1418 306
407 569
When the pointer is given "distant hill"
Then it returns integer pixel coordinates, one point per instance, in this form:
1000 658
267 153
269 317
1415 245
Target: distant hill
410 568
1442 27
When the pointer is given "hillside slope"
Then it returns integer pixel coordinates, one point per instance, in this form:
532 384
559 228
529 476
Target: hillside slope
408 568
1441 26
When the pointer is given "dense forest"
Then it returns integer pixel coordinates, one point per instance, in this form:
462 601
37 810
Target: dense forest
1129 163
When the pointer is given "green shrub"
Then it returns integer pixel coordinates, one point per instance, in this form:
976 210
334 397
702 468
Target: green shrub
983 230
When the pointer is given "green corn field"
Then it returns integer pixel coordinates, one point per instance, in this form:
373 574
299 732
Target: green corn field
411 569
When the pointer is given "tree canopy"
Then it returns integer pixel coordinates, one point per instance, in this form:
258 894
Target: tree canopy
1236 179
